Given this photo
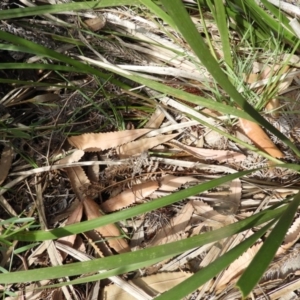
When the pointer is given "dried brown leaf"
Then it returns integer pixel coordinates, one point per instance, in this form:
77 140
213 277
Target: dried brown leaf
75 217
171 183
93 170
156 119
96 24
130 196
272 107
102 141
142 145
221 155
207 216
152 285
291 237
78 181
110 232
175 230
73 157
260 138
234 198
237 267
5 162
57 294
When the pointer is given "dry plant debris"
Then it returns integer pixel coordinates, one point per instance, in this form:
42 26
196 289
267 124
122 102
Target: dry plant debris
170 152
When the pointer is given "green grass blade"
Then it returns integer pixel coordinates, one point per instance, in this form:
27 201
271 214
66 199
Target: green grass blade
279 15
25 66
43 9
158 252
106 274
245 28
180 16
45 52
224 32
125 214
157 11
84 68
266 253
214 268
268 22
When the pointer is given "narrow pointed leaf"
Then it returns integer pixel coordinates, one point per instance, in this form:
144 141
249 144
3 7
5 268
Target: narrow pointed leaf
261 261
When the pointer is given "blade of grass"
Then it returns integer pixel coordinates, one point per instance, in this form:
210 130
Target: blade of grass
266 253
207 36
220 18
245 28
125 214
178 94
195 281
107 274
55 8
157 11
129 213
24 66
279 15
268 22
213 269
126 259
191 35
84 68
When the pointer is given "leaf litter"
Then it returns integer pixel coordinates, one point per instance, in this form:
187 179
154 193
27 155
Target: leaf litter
195 154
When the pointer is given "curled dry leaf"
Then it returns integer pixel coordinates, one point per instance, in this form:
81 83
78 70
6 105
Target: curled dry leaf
152 285
142 145
5 162
73 157
260 138
103 141
109 232
130 196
